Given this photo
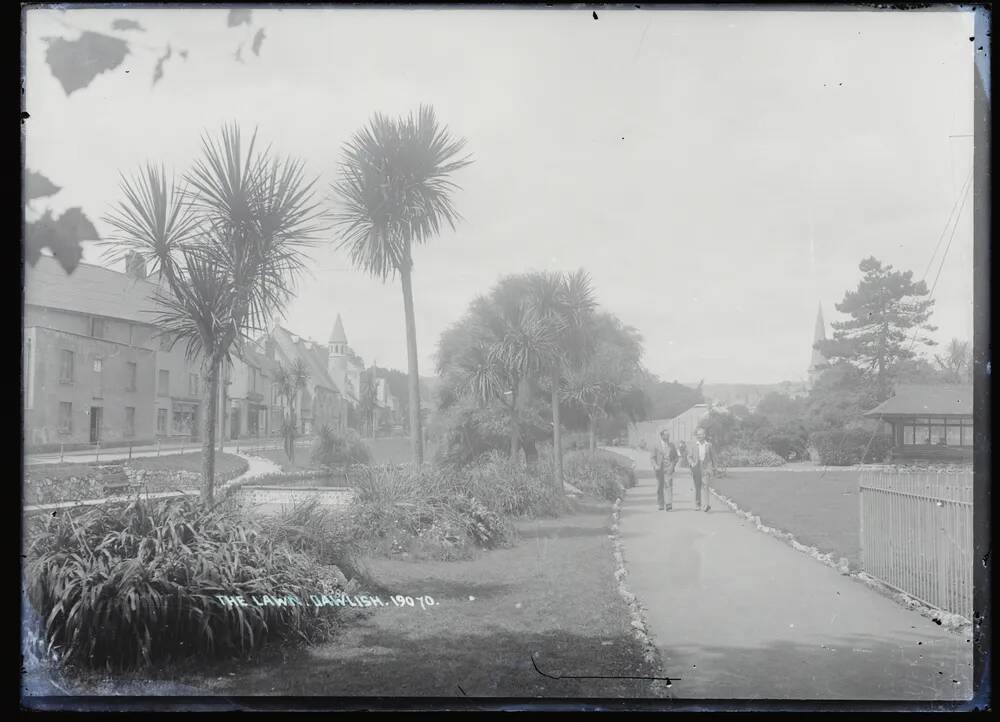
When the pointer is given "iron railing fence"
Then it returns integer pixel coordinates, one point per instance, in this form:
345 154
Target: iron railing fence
916 535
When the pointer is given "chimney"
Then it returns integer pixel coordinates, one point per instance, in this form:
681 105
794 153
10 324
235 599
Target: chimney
135 266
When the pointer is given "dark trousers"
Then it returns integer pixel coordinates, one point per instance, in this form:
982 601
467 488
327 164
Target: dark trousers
664 487
700 480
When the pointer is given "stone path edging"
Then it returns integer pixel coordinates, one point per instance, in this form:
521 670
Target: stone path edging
637 615
954 622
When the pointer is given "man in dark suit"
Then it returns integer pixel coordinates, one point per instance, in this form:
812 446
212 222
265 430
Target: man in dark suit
665 458
701 459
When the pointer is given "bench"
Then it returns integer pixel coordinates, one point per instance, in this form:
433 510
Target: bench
116 482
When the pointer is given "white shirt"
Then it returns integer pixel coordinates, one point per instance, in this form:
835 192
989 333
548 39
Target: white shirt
702 450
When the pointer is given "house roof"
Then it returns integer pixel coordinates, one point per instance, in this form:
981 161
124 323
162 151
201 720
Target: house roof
90 289
926 400
292 347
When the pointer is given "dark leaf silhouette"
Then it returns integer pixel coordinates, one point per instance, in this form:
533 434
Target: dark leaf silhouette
238 17
125 24
75 63
38 186
238 55
158 70
257 40
62 237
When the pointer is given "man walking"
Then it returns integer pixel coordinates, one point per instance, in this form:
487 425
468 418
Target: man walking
664 462
701 459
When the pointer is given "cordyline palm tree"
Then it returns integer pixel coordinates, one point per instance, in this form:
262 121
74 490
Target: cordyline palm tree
395 189
498 348
228 244
606 382
291 381
566 302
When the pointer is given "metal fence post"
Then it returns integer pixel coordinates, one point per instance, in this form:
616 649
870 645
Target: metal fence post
62 446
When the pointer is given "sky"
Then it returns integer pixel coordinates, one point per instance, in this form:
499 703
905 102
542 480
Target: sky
720 174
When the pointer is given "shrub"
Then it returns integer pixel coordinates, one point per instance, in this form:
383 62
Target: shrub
332 449
743 456
846 447
604 475
512 488
421 510
312 529
123 587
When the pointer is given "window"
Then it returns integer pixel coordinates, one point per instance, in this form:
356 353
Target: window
954 436
161 421
193 384
99 373
130 374
65 417
129 421
274 395
97 327
938 432
253 379
165 342
163 383
66 367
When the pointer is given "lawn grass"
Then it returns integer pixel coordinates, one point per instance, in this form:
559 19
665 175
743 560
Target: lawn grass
552 597
819 508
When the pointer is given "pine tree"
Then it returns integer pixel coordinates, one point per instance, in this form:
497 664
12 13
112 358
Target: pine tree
887 311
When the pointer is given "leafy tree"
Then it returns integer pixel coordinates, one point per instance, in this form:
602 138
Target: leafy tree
839 398
227 245
886 306
291 381
395 185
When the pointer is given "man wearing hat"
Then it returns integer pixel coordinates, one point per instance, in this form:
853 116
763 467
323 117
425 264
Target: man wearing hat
665 458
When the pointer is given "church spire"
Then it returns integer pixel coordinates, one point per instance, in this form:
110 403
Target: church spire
818 361
338 336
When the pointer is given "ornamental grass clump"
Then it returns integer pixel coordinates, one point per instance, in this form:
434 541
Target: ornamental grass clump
605 476
123 587
420 510
513 488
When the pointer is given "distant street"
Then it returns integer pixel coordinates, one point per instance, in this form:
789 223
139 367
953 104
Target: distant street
739 614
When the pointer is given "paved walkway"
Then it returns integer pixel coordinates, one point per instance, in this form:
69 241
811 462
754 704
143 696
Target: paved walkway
739 614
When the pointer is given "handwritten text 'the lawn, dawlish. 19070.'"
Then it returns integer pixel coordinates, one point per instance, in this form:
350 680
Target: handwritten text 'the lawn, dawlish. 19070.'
324 600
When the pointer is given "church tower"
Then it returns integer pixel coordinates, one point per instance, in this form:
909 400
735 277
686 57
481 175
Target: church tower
819 362
337 365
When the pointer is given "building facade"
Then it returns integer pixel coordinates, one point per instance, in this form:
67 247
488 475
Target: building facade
929 421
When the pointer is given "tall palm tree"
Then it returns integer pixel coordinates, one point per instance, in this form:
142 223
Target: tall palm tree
291 381
566 302
395 186
228 245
